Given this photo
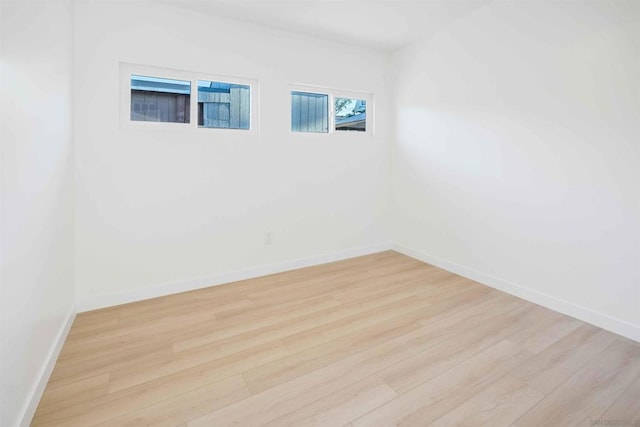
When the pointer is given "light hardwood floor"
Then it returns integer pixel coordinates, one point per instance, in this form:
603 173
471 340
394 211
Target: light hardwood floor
379 340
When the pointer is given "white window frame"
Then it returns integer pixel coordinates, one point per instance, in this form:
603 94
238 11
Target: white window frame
128 69
334 93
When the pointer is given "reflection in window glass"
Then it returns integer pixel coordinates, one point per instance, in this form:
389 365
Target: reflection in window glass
160 100
309 112
351 114
223 105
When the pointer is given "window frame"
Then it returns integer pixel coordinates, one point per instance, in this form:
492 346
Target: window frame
334 93
128 69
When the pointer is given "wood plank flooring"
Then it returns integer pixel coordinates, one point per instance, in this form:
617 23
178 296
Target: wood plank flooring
379 340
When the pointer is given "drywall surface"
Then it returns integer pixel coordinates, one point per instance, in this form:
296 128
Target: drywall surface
156 208
37 198
517 152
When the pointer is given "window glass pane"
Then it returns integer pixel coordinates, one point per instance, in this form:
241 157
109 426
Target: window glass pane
223 105
309 112
351 114
156 99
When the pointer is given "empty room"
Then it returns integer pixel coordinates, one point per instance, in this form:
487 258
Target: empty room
320 213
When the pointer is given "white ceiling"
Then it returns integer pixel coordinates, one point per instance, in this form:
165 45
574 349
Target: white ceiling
386 25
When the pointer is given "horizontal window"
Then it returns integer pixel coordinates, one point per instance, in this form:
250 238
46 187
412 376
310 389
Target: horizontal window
223 105
326 111
155 99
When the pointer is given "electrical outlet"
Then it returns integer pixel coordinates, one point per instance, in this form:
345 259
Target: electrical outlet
268 238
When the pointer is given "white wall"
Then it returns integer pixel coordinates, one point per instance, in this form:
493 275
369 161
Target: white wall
163 208
37 199
517 154
516 162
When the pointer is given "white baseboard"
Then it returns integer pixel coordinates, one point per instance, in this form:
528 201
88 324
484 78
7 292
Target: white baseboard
579 312
219 279
45 372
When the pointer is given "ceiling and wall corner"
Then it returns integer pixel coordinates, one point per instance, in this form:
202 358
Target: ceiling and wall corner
380 25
